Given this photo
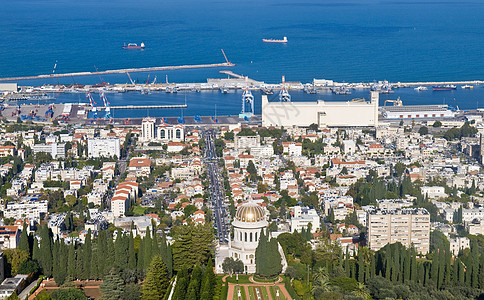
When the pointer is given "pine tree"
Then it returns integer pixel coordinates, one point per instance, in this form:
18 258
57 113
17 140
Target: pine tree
206 291
62 269
156 281
24 240
113 286
361 267
194 286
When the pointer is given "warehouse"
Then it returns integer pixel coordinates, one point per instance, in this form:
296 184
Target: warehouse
417 112
323 113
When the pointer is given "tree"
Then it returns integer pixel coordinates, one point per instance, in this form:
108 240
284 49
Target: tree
437 124
267 257
252 171
68 294
14 258
423 130
24 240
113 286
189 237
156 282
231 266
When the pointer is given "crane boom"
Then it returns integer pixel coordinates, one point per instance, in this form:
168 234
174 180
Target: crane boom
129 76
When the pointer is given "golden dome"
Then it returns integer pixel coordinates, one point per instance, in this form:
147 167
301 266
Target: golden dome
250 212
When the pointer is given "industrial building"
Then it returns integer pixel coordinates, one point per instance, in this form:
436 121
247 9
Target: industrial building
417 112
323 113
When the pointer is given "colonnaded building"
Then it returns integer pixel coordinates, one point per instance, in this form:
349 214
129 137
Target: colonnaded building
323 113
250 219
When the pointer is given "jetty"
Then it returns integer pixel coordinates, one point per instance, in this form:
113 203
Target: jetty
144 106
119 71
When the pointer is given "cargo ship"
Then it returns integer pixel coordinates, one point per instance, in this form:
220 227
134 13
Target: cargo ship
134 46
283 41
444 88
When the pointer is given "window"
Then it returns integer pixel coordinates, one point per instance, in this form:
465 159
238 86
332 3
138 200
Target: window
178 133
425 116
433 115
245 236
256 236
417 116
251 236
442 115
401 116
409 116
163 134
240 236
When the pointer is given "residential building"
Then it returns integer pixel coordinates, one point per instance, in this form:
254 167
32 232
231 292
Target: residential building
148 129
9 237
458 243
409 226
246 142
140 166
56 150
103 147
303 216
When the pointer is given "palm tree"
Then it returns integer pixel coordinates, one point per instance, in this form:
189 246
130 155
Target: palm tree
362 291
320 280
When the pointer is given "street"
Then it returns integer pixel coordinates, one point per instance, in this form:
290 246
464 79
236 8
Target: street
217 195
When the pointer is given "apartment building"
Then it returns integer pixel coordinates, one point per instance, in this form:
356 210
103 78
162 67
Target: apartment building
409 226
103 147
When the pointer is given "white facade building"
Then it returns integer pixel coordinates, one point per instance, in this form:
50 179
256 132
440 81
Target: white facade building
302 217
324 114
56 150
31 210
148 129
103 147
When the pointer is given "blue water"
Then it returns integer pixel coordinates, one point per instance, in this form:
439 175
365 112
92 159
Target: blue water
346 41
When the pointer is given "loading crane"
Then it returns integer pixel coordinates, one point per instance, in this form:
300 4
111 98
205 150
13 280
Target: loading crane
397 102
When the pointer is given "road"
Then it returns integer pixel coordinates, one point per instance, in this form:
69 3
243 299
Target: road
217 194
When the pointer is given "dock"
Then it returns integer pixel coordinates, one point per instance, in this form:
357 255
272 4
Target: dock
119 71
144 106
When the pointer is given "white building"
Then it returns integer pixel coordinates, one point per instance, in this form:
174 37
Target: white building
303 216
324 114
56 150
292 148
246 142
170 133
262 151
458 243
349 146
148 129
417 112
433 192
26 209
250 220
103 147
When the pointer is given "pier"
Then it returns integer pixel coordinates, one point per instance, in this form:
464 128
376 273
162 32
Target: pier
120 71
144 106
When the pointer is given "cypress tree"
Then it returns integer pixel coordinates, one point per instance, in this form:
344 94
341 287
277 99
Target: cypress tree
94 269
119 256
62 268
361 267
141 255
148 244
407 266
131 253
46 251
109 263
71 262
260 254
35 250
55 259
193 292
347 263
181 285
102 250
156 282
24 240
481 272
87 255
169 260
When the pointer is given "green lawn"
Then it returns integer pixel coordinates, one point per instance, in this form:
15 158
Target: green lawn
138 210
273 292
251 293
263 290
258 279
242 279
242 293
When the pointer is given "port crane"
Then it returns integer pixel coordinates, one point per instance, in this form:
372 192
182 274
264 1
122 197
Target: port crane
129 76
91 101
397 102
247 100
284 95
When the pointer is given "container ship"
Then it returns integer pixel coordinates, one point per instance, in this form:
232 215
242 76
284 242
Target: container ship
283 41
444 88
134 46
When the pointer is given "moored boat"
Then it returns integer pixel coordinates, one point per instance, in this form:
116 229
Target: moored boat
284 40
134 46
448 87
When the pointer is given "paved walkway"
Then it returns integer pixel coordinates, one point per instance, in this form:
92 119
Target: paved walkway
24 294
266 285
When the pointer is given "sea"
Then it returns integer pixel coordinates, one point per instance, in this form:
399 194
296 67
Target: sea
345 41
